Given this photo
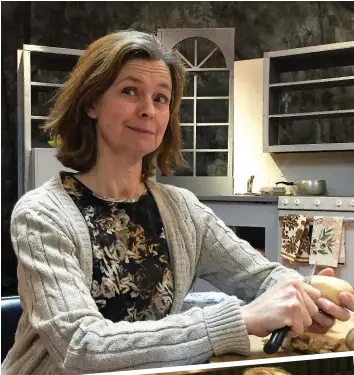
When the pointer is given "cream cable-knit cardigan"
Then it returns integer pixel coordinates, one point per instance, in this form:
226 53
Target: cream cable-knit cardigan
62 331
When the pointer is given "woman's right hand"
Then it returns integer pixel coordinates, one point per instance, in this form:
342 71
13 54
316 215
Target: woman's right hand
285 304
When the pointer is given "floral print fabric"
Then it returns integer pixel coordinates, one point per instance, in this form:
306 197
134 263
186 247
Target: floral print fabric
341 259
303 254
326 240
132 272
295 238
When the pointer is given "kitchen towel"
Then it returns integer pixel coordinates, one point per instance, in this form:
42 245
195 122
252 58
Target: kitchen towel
293 243
303 254
341 259
326 240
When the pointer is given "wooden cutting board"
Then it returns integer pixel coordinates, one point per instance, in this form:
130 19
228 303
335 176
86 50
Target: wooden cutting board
338 332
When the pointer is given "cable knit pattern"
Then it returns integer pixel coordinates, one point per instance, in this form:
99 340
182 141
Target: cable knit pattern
62 331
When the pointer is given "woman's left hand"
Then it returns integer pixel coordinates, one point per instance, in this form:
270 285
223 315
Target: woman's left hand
325 319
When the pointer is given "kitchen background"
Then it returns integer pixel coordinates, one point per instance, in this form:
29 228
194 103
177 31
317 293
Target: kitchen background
259 27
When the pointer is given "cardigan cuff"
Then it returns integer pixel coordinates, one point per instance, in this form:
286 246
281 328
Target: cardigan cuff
226 328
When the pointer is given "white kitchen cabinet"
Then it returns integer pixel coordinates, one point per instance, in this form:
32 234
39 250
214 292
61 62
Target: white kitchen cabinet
41 71
307 99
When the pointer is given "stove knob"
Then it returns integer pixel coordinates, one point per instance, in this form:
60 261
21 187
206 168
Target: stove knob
297 201
317 202
338 202
352 203
285 202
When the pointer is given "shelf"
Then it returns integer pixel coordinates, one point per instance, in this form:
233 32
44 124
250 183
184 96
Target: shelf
198 124
44 86
197 150
310 147
309 115
50 58
322 58
315 57
314 84
207 69
205 97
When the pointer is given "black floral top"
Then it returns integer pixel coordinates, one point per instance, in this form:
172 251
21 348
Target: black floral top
132 271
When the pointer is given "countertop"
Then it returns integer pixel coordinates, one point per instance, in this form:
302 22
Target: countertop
240 198
338 332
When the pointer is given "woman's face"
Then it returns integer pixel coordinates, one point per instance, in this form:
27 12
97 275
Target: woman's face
132 115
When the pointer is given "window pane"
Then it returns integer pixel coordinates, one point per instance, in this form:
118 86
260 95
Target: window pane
204 48
188 171
187 137
186 48
213 137
216 60
209 111
213 84
189 88
211 164
187 111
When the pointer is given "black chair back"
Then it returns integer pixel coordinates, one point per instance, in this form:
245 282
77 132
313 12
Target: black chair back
11 312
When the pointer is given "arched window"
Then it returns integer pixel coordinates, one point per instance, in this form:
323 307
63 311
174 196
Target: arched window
206 110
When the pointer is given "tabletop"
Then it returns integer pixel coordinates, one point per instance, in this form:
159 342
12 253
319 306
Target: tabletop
338 332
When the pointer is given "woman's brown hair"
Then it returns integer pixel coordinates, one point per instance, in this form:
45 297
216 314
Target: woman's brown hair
95 72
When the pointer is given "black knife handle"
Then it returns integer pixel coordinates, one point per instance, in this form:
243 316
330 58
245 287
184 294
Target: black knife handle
275 341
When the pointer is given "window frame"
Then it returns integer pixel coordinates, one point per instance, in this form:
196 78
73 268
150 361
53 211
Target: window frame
223 38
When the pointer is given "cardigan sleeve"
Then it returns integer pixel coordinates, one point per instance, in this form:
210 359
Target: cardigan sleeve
55 295
228 262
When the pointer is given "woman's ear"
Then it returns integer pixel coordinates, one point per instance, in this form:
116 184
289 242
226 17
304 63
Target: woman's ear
92 111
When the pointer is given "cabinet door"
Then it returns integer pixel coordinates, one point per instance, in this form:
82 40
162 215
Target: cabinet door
206 110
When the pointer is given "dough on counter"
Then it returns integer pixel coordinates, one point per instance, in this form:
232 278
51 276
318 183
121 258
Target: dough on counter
314 344
349 340
265 371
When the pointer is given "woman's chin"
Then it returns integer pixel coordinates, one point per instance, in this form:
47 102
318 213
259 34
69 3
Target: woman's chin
141 152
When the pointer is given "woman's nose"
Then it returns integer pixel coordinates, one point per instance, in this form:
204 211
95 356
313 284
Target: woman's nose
147 109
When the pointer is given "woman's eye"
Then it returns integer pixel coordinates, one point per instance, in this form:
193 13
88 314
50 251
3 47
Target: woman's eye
129 91
161 99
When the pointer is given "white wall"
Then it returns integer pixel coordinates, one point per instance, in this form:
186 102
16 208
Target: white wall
337 168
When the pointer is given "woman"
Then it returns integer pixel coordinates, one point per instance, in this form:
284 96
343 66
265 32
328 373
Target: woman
106 256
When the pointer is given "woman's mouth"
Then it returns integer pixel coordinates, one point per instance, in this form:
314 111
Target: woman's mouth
140 130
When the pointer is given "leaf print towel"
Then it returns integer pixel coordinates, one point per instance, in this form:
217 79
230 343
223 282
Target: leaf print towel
326 240
293 244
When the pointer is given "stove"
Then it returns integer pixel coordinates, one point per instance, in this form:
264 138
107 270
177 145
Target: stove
314 203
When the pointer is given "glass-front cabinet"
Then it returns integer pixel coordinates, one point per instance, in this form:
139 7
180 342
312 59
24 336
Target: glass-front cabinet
41 71
207 109
309 99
